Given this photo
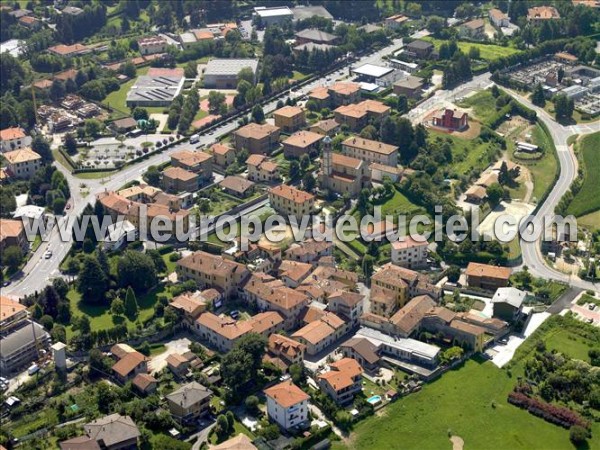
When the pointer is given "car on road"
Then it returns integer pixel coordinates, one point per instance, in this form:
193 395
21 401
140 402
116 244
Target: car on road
68 206
48 254
6 283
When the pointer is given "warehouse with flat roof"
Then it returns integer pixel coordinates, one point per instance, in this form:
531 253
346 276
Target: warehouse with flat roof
223 73
154 91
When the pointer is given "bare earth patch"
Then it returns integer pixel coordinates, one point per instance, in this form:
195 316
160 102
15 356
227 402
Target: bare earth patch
457 443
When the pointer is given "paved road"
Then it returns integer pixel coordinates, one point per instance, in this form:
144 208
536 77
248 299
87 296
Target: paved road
531 251
38 272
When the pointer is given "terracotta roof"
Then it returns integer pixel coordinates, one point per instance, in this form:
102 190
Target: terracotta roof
365 348
409 242
256 131
312 314
488 179
152 40
236 184
543 12
286 394
474 24
263 322
226 327
326 125
345 88
202 35
165 72
384 295
486 270
291 193
76 443
255 160
497 14
342 373
444 314
476 191
308 247
350 299
187 302
280 344
10 228
321 93
409 317
143 380
346 161
294 270
369 145
177 173
275 293
361 109
288 111
21 155
268 166
8 134
190 157
121 350
240 442
318 330
129 362
222 149
303 139
210 264
175 360
64 50
9 308
467 327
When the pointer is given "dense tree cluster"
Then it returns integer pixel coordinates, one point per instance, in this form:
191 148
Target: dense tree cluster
73 28
240 366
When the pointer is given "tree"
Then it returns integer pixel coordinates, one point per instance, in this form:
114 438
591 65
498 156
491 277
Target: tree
128 69
12 257
117 307
578 435
131 306
42 147
70 144
537 97
59 333
258 115
92 283
453 273
246 74
563 107
308 182
93 127
304 162
367 267
8 203
152 176
294 170
494 194
58 205
191 70
136 270
57 90
251 404
215 100
140 113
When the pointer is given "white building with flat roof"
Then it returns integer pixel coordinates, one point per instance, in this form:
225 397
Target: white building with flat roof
154 91
273 15
380 75
223 73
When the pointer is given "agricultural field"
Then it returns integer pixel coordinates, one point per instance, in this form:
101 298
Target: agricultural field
587 200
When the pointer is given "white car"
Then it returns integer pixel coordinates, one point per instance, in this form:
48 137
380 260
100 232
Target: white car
48 254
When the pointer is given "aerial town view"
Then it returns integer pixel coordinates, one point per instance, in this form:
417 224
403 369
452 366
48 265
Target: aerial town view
302 224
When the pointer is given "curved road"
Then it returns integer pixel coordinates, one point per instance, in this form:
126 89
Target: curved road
531 251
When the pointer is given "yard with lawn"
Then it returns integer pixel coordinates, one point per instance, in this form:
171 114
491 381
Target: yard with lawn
488 52
467 154
587 200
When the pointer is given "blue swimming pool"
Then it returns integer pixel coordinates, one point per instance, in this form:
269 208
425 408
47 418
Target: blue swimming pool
376 399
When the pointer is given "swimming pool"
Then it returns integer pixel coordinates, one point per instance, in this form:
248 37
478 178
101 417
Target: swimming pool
374 400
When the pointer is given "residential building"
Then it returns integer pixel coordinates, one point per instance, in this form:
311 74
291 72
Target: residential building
289 118
419 49
145 383
326 127
22 163
260 169
508 303
194 161
382 76
290 201
176 179
342 381
316 36
309 251
212 271
410 253
485 276
237 186
539 14
190 305
30 22
190 402
152 44
223 73
118 234
378 172
338 94
371 151
178 364
112 432
475 194
394 22
347 305
321 333
498 18
473 29
275 15
266 323
340 173
287 405
69 51
292 273
239 442
12 234
453 329
129 366
14 138
21 342
363 351
220 332
256 138
12 314
451 119
223 155
149 91
301 143
411 87
408 319
286 349
358 115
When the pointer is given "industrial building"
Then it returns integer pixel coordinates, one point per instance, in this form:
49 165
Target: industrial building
223 73
154 91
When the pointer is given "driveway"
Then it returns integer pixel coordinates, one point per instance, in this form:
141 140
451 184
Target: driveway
159 362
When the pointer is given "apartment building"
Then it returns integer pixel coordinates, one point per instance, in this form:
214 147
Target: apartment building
347 305
321 333
198 162
287 350
290 118
358 115
342 381
256 138
12 233
287 405
176 179
370 151
309 251
190 402
13 138
338 94
129 366
220 332
301 143
152 44
488 277
289 201
223 155
410 253
22 163
211 271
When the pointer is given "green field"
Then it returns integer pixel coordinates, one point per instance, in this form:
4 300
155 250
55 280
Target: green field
467 154
591 221
588 198
483 104
568 343
117 99
399 204
488 52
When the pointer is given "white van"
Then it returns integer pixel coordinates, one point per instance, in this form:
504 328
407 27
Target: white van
33 369
195 138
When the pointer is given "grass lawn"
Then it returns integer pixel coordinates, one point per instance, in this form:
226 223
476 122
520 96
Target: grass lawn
569 343
588 198
488 52
483 104
590 221
467 154
117 99
399 204
298 75
100 316
170 264
469 402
